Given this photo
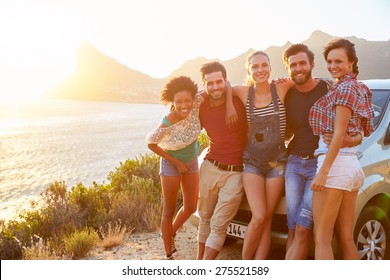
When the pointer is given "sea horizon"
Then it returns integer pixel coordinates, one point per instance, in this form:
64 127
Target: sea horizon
73 141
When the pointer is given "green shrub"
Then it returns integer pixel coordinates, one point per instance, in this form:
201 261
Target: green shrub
56 216
145 166
79 244
203 141
92 204
136 191
133 196
55 193
13 234
145 189
10 248
134 211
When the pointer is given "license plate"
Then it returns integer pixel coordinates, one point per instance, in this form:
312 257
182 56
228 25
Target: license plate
236 230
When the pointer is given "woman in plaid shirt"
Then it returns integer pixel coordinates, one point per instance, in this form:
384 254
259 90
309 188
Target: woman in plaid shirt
347 108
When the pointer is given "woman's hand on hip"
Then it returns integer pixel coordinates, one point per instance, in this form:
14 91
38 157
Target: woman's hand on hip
319 181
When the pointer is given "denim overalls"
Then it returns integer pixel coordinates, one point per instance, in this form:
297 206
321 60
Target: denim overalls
266 149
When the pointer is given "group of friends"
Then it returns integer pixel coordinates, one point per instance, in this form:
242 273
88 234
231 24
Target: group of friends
322 120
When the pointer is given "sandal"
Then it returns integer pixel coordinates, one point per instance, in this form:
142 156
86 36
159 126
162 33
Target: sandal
173 247
169 257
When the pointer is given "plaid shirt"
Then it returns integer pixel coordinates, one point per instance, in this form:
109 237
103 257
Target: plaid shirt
348 92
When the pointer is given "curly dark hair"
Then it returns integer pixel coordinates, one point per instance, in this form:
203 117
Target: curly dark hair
349 48
211 67
295 49
175 85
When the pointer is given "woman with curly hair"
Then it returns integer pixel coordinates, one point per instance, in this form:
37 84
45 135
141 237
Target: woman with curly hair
176 141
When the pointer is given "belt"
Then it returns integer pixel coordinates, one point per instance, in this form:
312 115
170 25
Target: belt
226 167
311 156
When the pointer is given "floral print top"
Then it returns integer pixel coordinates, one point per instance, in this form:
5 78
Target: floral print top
180 134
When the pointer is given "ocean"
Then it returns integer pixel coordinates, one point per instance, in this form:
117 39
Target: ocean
71 141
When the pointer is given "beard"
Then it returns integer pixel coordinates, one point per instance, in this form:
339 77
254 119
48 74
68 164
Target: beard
303 79
218 97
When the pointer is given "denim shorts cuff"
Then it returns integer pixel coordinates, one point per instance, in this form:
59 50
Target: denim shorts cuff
305 224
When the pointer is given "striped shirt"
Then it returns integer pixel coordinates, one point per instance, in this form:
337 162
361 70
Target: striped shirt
267 111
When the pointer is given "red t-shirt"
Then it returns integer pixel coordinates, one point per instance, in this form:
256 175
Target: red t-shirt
227 144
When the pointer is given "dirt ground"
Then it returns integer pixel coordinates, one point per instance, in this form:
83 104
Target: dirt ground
149 246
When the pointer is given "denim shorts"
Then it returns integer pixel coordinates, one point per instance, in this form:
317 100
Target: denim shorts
299 197
266 170
168 169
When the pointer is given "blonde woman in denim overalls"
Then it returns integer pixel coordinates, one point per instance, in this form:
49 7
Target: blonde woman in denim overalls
265 154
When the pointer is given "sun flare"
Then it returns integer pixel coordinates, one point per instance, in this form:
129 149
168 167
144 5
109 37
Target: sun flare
37 51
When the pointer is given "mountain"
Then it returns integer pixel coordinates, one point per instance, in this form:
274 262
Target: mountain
374 60
99 77
102 78
374 56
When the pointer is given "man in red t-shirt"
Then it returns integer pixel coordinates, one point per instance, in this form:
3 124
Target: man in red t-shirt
220 187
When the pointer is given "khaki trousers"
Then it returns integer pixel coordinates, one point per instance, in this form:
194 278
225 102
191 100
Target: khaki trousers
220 195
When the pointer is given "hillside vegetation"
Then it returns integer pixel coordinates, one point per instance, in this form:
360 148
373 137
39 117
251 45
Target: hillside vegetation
67 224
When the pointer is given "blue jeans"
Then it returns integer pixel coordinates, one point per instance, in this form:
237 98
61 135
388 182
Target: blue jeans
299 175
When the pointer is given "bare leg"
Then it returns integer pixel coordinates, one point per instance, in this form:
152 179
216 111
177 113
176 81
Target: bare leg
170 188
326 206
201 249
290 238
190 187
254 186
300 245
344 226
210 254
273 190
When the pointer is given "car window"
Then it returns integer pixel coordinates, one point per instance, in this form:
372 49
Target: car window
380 100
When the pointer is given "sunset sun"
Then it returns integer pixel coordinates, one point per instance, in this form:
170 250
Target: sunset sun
37 50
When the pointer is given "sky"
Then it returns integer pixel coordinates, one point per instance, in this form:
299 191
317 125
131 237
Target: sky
39 38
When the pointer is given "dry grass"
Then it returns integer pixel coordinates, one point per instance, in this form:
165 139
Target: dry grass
114 235
40 251
151 215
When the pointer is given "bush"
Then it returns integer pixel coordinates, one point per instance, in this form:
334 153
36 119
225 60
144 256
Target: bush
56 217
79 243
203 140
92 204
145 166
132 196
136 190
140 214
10 248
